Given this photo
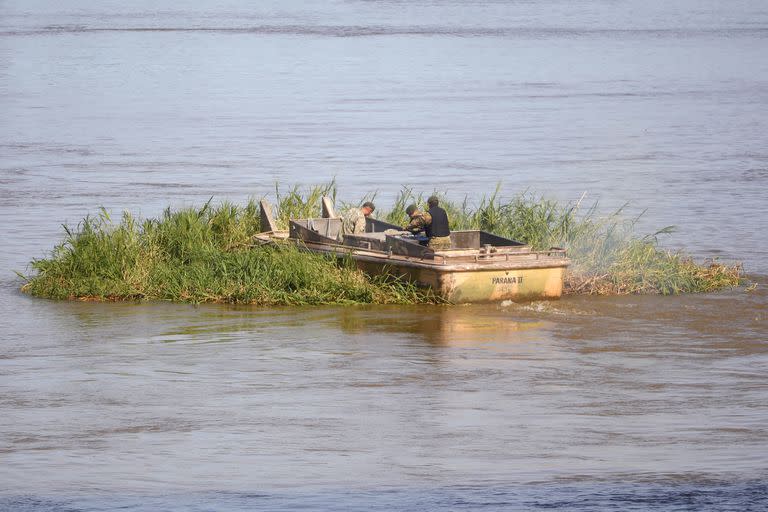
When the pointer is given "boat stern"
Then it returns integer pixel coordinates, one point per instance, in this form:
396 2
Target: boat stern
498 285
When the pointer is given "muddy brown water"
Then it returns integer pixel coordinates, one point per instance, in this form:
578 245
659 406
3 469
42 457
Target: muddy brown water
587 403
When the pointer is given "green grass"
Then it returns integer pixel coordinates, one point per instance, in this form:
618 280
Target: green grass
608 255
298 204
210 254
205 255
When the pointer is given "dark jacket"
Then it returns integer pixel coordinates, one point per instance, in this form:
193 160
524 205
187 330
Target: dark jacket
439 224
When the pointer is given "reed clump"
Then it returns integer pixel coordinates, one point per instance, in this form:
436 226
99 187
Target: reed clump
301 204
205 255
608 256
211 254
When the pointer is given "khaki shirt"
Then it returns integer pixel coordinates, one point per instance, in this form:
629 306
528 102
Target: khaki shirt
352 223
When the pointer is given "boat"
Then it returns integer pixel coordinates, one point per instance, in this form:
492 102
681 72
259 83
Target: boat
479 266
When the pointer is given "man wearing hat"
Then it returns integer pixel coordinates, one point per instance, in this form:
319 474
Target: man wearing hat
353 220
433 222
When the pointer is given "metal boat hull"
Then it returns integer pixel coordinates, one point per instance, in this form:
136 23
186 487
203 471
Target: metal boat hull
524 276
473 285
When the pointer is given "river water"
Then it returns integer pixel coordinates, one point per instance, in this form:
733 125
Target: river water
587 403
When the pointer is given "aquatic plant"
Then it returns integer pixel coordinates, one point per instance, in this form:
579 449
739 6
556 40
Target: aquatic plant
211 254
608 255
298 204
202 255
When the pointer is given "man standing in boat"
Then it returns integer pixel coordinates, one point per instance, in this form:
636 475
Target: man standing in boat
433 222
353 220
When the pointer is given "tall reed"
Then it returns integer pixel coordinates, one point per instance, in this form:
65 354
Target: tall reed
211 254
608 255
298 204
202 255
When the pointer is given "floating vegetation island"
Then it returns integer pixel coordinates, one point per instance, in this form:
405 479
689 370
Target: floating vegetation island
209 254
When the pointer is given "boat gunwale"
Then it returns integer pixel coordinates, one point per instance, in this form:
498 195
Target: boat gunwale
479 265
550 258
